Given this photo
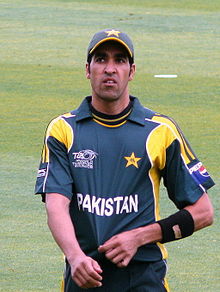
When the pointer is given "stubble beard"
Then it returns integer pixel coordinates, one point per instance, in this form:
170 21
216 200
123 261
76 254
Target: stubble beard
110 94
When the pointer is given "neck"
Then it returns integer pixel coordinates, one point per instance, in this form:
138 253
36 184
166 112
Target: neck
112 107
112 120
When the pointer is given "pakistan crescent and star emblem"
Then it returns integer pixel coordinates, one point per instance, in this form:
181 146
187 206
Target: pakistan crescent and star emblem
113 32
132 160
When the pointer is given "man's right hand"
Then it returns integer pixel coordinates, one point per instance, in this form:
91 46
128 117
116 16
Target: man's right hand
86 272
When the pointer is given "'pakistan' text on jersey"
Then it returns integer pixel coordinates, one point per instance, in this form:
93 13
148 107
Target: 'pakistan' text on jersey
112 174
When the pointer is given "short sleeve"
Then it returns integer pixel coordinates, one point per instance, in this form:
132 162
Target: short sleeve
185 182
184 175
54 174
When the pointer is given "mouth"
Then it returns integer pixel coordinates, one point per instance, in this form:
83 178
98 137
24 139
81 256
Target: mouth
109 81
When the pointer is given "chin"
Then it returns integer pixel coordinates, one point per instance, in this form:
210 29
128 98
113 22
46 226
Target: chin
109 98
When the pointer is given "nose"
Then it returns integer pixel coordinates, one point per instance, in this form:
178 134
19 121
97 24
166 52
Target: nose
110 67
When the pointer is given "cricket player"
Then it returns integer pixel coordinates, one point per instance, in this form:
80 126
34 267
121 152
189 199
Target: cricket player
100 174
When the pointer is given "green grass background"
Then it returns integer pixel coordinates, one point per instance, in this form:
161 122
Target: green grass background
42 58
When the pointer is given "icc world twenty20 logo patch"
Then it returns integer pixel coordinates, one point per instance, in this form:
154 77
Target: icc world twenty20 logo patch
84 158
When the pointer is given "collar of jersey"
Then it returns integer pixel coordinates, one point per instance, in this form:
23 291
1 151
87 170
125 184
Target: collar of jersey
137 115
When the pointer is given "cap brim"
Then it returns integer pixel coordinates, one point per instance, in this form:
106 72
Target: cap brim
111 39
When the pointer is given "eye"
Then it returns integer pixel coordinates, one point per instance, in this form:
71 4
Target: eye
100 60
121 60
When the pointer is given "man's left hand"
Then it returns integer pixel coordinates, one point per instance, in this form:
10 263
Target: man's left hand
120 248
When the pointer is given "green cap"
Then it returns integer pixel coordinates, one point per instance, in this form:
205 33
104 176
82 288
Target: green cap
111 35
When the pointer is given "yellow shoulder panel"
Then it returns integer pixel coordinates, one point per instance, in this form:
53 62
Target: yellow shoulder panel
186 151
157 150
60 130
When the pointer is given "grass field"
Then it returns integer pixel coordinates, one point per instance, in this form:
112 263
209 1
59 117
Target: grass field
43 48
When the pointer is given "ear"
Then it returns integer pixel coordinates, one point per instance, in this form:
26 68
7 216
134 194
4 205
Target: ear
132 72
87 70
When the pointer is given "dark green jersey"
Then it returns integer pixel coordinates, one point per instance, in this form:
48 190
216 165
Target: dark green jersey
112 173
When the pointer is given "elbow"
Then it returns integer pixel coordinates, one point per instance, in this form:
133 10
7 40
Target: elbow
202 212
209 213
210 216
207 217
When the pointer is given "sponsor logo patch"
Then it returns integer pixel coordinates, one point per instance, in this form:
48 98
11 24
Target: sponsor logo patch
84 158
199 173
41 172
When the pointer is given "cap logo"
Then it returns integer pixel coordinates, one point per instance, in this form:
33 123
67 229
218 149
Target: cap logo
112 32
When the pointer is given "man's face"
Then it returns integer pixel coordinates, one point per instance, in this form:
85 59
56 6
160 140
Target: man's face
109 72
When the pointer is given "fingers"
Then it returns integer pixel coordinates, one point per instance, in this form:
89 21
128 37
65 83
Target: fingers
123 263
83 280
87 274
120 248
109 245
121 259
115 254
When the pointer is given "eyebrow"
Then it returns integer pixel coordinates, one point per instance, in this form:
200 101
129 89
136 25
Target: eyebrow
119 55
99 54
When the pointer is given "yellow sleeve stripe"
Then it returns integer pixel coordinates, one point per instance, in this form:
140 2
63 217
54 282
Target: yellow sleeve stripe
60 130
157 150
157 156
186 151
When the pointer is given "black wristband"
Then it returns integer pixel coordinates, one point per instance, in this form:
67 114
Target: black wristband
176 226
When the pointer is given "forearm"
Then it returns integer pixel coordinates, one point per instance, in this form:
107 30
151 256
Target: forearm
202 216
84 270
122 247
202 212
148 234
62 229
